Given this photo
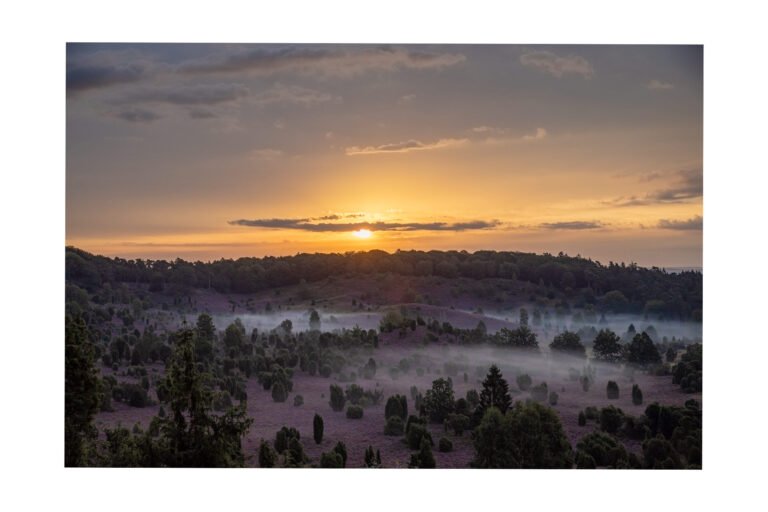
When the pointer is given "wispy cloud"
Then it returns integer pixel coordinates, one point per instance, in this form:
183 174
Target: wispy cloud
293 94
332 61
658 85
556 65
136 115
503 136
572 225
693 224
96 76
404 147
309 224
688 185
202 113
266 154
187 95
540 134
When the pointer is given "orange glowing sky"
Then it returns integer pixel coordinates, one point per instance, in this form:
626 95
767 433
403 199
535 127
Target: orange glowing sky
210 151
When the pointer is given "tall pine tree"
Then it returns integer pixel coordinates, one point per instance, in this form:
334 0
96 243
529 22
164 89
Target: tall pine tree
495 393
82 392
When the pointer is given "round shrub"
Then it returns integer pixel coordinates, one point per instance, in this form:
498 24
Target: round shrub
637 395
331 460
298 401
605 449
459 423
592 413
524 382
553 397
415 433
540 392
445 445
354 412
584 461
424 458
136 395
325 371
611 419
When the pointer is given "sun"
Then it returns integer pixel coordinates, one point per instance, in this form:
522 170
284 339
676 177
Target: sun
363 233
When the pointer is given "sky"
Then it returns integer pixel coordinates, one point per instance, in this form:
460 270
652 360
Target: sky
209 151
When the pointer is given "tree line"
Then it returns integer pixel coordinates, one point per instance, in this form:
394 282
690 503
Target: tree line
614 287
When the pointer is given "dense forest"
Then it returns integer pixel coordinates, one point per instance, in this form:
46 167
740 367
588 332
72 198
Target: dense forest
616 288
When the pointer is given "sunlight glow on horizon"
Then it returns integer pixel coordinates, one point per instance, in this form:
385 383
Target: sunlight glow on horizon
231 162
363 233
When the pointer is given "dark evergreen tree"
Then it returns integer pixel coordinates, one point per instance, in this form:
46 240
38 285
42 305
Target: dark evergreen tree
267 455
279 393
317 428
341 449
82 392
314 321
193 436
642 351
337 398
495 393
424 459
397 405
612 390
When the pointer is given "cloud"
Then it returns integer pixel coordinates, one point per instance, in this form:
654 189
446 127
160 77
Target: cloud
688 185
658 85
203 94
293 94
404 147
305 224
83 78
332 61
201 113
571 225
406 99
695 223
337 216
137 115
556 65
266 154
540 134
502 136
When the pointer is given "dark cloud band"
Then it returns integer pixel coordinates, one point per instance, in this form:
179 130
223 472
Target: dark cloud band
693 224
573 225
307 225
